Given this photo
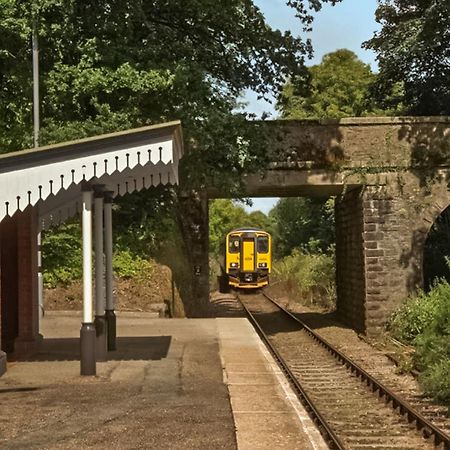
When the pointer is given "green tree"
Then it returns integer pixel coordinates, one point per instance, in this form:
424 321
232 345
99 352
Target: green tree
303 223
225 215
413 47
436 256
337 87
111 65
63 258
143 223
107 66
258 219
15 78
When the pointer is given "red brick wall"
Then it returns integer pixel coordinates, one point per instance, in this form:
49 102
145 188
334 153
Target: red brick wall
9 283
2 353
28 325
18 282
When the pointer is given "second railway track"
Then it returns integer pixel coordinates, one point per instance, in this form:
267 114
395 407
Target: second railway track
353 409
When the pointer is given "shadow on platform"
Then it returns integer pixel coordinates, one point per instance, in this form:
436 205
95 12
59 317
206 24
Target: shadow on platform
128 349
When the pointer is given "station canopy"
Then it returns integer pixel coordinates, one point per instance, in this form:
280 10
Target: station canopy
50 178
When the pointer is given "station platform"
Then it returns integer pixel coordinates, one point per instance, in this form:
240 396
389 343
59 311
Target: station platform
172 384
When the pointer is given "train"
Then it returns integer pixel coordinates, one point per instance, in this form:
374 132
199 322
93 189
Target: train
247 261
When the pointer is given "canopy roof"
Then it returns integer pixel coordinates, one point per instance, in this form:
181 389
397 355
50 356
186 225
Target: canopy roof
50 177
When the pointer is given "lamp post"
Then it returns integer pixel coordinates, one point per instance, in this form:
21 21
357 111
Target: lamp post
35 45
36 127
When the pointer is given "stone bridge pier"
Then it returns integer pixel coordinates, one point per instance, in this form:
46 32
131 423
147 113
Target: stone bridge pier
380 240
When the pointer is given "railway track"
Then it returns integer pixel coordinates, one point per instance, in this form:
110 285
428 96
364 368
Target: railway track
352 409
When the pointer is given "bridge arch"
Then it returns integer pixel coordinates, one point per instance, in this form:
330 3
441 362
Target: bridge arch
437 243
391 179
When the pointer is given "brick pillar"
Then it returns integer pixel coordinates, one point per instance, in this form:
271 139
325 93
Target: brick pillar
379 220
394 237
27 294
350 263
8 283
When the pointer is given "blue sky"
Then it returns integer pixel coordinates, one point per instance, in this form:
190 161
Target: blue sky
345 25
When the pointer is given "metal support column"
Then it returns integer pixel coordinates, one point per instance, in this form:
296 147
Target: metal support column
100 320
40 277
110 315
87 332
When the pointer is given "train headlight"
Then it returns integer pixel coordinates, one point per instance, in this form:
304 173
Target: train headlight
234 265
263 265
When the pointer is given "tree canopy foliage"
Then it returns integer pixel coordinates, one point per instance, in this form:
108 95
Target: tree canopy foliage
303 223
337 87
107 66
413 49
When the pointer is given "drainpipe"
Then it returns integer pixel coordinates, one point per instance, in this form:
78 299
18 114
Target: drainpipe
36 127
109 313
100 320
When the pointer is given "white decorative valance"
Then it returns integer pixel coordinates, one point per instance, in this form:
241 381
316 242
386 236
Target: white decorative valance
51 177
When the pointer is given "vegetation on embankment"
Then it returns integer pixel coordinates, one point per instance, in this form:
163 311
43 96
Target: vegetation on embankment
308 278
424 322
147 256
139 284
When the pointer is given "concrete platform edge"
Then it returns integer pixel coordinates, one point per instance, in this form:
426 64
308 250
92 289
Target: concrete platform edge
308 425
259 370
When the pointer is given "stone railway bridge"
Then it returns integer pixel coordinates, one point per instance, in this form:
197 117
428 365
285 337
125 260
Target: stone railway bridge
391 180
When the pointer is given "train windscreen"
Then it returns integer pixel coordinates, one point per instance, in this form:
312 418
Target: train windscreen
234 244
263 244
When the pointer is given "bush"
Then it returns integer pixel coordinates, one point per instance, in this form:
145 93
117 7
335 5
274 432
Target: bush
62 255
415 315
435 381
424 322
63 259
127 265
309 276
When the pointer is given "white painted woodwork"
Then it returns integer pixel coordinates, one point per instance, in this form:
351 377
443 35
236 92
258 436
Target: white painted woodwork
86 218
50 177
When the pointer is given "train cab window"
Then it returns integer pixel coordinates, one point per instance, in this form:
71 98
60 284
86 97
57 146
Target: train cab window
234 244
263 244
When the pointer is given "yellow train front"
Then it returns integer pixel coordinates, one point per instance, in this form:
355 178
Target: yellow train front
248 258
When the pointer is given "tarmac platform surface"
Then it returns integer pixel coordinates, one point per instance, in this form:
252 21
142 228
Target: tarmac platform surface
172 384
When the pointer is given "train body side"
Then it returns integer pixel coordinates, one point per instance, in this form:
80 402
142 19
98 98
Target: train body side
248 258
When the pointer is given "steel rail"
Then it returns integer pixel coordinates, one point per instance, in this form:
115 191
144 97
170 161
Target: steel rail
327 432
403 408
